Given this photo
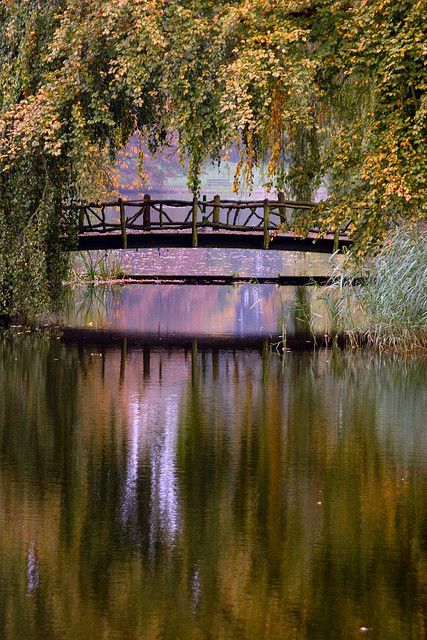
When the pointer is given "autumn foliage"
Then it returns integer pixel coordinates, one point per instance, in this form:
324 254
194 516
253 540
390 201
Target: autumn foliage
330 90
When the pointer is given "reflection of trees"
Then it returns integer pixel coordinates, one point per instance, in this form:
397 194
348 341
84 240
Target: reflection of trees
316 435
177 496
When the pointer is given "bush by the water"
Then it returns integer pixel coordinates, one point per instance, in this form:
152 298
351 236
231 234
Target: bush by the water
390 308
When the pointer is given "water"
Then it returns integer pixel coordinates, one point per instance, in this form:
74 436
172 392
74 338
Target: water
216 313
221 262
210 493
225 262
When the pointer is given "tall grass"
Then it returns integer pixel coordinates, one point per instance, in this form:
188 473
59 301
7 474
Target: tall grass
390 309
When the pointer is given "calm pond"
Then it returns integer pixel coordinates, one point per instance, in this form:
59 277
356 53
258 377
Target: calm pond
194 490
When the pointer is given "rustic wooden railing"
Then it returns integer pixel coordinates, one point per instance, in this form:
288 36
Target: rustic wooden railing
266 216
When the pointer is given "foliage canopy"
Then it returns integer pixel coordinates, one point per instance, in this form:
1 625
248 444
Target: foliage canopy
311 89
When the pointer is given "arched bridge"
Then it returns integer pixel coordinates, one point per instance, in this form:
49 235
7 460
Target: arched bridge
206 223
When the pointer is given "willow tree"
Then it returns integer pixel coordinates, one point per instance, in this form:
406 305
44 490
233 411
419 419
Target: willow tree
334 89
62 117
311 90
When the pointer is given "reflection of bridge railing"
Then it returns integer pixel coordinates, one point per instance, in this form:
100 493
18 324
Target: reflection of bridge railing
263 219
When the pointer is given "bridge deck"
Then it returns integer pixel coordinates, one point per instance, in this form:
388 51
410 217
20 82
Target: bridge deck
210 239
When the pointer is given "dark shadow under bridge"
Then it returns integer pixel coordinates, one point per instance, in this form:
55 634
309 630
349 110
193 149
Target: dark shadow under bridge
216 223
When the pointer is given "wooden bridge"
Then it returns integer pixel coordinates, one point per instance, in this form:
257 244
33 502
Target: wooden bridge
218 223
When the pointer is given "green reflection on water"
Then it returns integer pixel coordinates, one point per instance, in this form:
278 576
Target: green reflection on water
210 494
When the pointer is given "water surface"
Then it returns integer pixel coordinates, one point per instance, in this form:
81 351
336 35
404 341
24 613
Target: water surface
210 493
229 312
239 262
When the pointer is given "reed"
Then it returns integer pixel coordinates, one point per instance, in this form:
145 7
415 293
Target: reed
389 310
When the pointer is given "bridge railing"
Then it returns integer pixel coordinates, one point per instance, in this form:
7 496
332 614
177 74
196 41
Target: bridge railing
150 215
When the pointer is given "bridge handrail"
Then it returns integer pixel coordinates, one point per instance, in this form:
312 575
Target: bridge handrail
244 204
269 216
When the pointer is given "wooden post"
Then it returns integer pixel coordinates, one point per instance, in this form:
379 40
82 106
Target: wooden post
266 223
217 209
204 209
282 208
82 212
123 224
146 217
194 222
336 240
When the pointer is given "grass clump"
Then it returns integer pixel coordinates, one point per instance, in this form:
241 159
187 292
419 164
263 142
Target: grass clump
389 310
96 267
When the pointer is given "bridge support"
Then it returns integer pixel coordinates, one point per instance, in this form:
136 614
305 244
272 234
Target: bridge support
81 220
282 207
123 224
336 240
216 209
204 210
266 223
146 216
194 220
